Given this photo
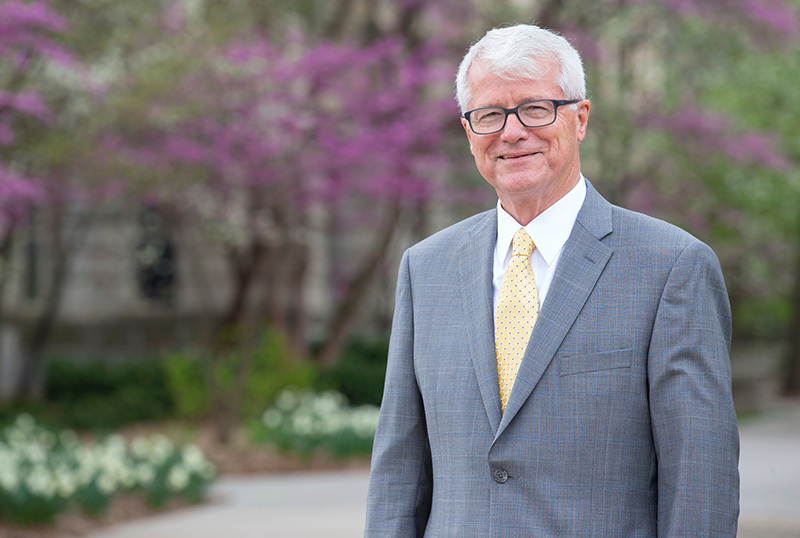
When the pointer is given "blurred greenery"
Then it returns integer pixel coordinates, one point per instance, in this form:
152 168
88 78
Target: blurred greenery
270 369
103 395
98 394
306 422
47 471
359 371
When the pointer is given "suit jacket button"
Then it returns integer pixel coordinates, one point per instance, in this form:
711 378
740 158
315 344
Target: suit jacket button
500 476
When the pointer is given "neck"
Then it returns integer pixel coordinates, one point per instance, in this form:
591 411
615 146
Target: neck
526 207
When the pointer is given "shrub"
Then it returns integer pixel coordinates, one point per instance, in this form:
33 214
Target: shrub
43 472
360 371
187 385
274 369
102 395
271 369
304 422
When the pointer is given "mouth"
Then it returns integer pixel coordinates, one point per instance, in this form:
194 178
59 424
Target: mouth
517 156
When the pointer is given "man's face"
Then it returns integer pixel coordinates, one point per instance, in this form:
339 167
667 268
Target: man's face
531 166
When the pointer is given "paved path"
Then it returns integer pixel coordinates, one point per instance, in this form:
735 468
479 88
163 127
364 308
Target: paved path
331 505
318 505
769 464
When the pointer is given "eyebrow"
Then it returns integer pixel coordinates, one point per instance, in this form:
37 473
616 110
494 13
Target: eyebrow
525 100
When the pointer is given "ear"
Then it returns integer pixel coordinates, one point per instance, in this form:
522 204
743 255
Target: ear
583 118
469 132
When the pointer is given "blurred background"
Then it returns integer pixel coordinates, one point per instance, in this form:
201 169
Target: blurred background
203 202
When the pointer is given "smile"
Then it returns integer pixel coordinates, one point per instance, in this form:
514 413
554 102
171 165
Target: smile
520 156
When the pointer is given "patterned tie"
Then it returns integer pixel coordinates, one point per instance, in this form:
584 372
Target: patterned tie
517 310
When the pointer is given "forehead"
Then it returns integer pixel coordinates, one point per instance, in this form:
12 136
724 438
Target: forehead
490 89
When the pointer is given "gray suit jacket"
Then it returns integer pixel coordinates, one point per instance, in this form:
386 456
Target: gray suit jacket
621 421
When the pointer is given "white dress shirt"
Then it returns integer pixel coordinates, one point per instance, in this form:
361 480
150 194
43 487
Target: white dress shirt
549 231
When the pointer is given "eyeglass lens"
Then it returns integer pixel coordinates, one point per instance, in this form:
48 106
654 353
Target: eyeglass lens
533 114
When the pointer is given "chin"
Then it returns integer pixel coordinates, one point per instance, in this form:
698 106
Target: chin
519 183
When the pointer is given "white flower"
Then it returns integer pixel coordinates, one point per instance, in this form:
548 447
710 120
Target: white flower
25 423
44 465
65 485
193 458
145 474
9 479
106 484
178 478
140 447
287 400
39 482
272 418
305 413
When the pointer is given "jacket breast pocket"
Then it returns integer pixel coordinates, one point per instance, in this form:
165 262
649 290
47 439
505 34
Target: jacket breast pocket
595 362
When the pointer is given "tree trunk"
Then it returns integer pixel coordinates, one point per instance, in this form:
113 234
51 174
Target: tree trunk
6 241
296 306
338 22
30 381
344 316
228 339
64 249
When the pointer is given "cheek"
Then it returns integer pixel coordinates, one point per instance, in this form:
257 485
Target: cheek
478 149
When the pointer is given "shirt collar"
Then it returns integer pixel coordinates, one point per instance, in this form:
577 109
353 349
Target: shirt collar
549 231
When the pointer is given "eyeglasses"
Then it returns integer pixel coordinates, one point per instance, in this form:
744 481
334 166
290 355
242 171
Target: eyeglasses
539 113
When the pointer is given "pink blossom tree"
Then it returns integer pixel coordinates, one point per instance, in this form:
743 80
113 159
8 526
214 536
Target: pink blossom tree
26 31
30 56
267 146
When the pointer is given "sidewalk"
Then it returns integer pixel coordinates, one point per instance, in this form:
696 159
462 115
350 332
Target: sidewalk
331 504
296 505
769 465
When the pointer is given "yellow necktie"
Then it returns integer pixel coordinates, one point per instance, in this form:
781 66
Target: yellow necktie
517 310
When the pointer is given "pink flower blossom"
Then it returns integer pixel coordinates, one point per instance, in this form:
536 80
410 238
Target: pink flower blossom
708 132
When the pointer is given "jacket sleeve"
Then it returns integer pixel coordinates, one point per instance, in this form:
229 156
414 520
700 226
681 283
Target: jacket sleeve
400 488
691 407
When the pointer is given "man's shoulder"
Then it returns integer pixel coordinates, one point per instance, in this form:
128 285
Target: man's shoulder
635 230
629 229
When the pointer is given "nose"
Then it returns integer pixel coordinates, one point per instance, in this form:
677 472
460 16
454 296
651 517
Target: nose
514 130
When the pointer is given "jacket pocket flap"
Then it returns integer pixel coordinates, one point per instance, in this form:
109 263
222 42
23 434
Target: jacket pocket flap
595 362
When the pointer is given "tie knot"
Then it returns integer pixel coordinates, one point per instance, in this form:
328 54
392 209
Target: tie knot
522 244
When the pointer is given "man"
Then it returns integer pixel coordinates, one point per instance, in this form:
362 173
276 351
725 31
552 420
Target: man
558 366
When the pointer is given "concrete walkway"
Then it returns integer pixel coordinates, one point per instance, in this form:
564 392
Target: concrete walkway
769 465
331 505
296 505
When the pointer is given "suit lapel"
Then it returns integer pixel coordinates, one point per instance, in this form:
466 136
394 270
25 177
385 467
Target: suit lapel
582 261
476 291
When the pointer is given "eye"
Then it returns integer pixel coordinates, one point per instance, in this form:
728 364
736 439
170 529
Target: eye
487 115
537 110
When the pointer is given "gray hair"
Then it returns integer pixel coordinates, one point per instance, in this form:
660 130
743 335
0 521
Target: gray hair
517 52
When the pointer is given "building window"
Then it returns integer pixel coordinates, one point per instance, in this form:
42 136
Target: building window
155 257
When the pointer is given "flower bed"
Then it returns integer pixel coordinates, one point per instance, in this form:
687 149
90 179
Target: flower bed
43 473
305 422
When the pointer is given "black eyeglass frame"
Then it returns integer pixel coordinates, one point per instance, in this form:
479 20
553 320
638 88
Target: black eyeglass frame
556 103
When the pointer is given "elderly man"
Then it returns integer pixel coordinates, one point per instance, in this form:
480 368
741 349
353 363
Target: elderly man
558 365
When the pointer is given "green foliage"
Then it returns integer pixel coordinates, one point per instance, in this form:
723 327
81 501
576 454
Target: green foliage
359 372
764 318
304 422
268 370
43 472
186 383
168 471
102 395
273 369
